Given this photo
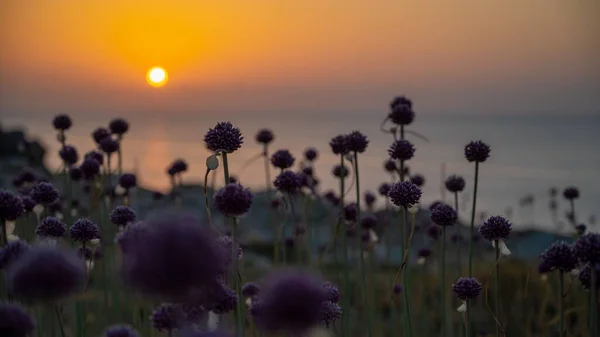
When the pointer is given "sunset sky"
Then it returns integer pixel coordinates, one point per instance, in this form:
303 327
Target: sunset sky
272 56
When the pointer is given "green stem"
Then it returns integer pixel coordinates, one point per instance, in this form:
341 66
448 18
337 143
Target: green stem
120 158
472 232
561 305
443 282
467 320
59 319
497 288
406 276
459 233
594 301
3 235
346 270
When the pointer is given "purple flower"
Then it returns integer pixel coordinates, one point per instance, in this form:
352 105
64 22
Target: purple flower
11 206
308 170
587 248
264 136
122 216
455 183
467 288
339 145
390 166
28 203
369 198
401 111
424 252
356 142
166 317
330 312
571 193
560 256
350 212
118 126
62 122
222 299
544 267
13 251
495 228
332 198
250 289
121 330
290 301
128 181
401 150
477 151
75 173
233 200
46 274
384 189
99 157
444 215
585 276
580 229
180 166
68 154
287 182
99 134
51 227
418 180
26 176
84 230
90 168
332 294
282 159
44 193
311 154
15 321
340 171
404 194
368 222
227 244
108 145
223 137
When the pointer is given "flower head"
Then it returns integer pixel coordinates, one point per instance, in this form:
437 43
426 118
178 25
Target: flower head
264 136
477 151
580 229
75 173
332 198
402 150
121 330
62 122
455 183
467 288
350 212
282 159
495 228
250 289
109 145
15 321
340 171
166 317
585 276
370 198
332 292
44 193
179 166
311 154
339 144
224 137
368 222
118 126
418 180
68 154
330 312
122 216
357 142
287 182
128 181
90 168
384 188
84 230
560 256
51 227
444 215
99 134
233 200
390 166
13 251
98 156
28 203
587 248
11 206
404 194
401 111
571 193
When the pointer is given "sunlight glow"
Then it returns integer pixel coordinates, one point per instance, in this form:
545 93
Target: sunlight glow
156 77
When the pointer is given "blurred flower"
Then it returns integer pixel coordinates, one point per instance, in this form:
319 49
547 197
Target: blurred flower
401 111
339 145
418 180
587 248
433 232
466 288
356 142
44 193
122 216
543 269
15 321
350 212
369 199
580 229
422 255
390 166
368 222
330 312
287 182
264 136
118 126
122 330
233 200
404 194
99 134
282 159
250 289
28 203
444 215
165 317
76 173
571 193
51 227
62 122
90 168
332 198
128 181
311 154
84 230
384 189
13 251
109 145
560 256
332 292
585 276
340 171
11 206
477 151
68 154
223 137
455 183
401 150
496 228
99 157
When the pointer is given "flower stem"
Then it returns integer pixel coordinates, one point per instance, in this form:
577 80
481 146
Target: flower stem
406 276
459 242
346 295
497 288
443 281
467 320
561 304
472 231
59 319
594 301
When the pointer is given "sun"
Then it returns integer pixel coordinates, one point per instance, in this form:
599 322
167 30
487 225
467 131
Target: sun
157 76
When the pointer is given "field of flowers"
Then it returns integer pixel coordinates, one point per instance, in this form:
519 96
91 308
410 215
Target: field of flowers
78 260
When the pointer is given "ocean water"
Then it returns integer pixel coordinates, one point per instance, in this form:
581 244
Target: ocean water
530 154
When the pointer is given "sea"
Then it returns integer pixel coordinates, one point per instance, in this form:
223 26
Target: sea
530 155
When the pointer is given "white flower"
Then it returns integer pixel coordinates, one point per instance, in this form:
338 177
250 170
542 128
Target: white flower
38 209
503 248
120 190
414 208
463 307
421 260
213 321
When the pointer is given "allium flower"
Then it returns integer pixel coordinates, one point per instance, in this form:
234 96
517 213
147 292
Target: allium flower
118 126
401 150
282 159
90 168
287 182
587 248
477 151
122 216
418 180
15 321
250 289
46 274
233 200
369 198
28 203
99 157
227 244
580 229
466 289
384 188
496 228
290 301
51 227
128 181
340 171
68 154
402 113
357 142
108 145
390 166
121 330
264 136
76 173
330 312
99 134
332 292
404 194
444 215
167 246
423 254
455 183
84 230
223 300
339 144
560 256
44 193
571 193
13 251
11 206
350 212
332 198
165 317
368 222
62 122
180 165
223 137
311 154
585 276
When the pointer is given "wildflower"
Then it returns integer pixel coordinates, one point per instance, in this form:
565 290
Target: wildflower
282 159
560 256
122 216
11 206
28 203
404 194
350 212
84 230
587 248
51 228
75 173
90 168
580 229
227 244
13 251
223 137
444 215
418 180
62 122
15 321
264 136
69 155
99 157
339 145
233 200
118 126
128 181
44 193
340 171
99 134
496 229
401 111
477 151
384 188
356 142
390 166
250 289
455 183
422 255
165 317
330 312
401 150
122 330
571 193
311 154
369 199
585 276
109 145
466 289
332 292
332 198
287 182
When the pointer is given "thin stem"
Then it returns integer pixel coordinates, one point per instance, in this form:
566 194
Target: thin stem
497 288
467 320
594 301
59 319
267 171
459 233
472 232
561 305
443 281
406 276
3 235
573 212
346 295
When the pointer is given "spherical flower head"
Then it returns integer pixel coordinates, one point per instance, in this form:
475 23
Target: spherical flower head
350 212
290 301
455 183
287 182
580 229
28 203
51 227
444 215
331 291
404 194
118 126
109 145
264 136
128 180
98 156
99 134
397 289
15 321
62 122
585 276
233 200
122 216
27 176
11 206
222 300
384 188
587 248
121 330
311 154
477 151
180 165
340 171
330 312
544 267
560 256
46 274
495 228
401 150
571 193
282 159
332 198
390 166
90 168
418 180
370 198
401 111
223 137
84 230
339 145
467 288
165 317
424 252
75 173
13 251
250 289
44 193
68 154
357 142
368 222
165 246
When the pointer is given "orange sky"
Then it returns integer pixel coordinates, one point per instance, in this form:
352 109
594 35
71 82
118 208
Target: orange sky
275 55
